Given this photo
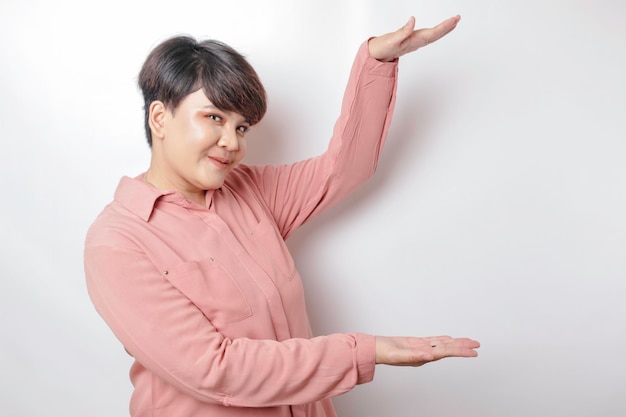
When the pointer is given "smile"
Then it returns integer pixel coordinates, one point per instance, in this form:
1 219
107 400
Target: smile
220 162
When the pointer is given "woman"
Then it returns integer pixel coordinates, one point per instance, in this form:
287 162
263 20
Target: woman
188 264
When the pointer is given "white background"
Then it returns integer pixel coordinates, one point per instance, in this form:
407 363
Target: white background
498 210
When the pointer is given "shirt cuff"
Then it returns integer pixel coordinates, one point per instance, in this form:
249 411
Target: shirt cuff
365 357
384 67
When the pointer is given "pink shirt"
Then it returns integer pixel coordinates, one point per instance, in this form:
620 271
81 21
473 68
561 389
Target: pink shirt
208 300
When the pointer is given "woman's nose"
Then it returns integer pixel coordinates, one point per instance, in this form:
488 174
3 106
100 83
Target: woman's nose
229 140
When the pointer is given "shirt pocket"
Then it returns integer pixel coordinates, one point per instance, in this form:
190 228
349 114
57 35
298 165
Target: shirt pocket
211 288
272 252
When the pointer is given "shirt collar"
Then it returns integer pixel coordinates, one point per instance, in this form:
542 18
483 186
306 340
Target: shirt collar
137 196
140 197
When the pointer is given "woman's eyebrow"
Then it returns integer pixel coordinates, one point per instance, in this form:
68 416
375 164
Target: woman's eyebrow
214 107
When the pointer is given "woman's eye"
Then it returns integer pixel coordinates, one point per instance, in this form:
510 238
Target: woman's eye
243 129
215 117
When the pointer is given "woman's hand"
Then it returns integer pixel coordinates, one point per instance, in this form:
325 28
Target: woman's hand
406 39
416 351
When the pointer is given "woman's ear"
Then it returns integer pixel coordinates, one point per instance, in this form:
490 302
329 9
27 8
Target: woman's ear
156 118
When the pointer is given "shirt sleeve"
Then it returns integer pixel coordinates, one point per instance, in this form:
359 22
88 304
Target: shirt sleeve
296 192
165 332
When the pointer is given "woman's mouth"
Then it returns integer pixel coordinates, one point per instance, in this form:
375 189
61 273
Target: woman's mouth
220 162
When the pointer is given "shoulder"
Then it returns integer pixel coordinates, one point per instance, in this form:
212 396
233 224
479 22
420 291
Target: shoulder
114 226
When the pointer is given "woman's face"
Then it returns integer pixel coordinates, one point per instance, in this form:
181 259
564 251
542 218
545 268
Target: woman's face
200 144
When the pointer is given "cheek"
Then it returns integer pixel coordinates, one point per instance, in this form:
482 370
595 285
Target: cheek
199 132
183 134
243 148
